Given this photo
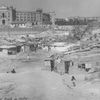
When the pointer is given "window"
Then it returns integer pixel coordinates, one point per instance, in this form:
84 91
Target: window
21 19
17 19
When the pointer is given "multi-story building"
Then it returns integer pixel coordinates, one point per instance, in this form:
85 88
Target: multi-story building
76 20
47 18
9 15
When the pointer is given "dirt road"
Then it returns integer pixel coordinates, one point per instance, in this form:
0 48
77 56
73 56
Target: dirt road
36 84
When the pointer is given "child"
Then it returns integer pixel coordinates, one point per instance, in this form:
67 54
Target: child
73 81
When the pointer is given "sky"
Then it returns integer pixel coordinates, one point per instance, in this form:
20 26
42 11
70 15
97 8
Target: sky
62 8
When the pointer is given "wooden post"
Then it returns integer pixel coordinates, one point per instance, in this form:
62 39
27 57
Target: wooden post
52 64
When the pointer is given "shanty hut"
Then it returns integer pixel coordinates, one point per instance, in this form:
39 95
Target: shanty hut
9 49
65 64
29 47
49 64
52 62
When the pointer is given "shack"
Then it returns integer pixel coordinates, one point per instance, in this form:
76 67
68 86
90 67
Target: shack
9 49
52 62
29 47
66 64
49 64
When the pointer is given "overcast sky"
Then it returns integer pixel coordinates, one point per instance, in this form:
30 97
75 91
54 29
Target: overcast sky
63 8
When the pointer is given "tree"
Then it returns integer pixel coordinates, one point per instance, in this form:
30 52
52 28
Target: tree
79 31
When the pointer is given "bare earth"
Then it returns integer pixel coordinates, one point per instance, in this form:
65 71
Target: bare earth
36 84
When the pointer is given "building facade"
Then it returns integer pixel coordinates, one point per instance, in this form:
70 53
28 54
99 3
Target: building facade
9 15
76 20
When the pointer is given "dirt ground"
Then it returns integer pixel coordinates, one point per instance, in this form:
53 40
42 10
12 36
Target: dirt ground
35 84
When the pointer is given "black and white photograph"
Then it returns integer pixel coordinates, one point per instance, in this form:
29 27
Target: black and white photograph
49 49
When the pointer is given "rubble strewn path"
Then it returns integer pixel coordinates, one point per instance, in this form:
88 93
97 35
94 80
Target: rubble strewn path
38 85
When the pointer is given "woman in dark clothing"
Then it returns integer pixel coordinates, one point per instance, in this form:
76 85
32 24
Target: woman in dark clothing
13 71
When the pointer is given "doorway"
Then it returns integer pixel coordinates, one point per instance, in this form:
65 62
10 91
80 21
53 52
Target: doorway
52 64
67 65
3 22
